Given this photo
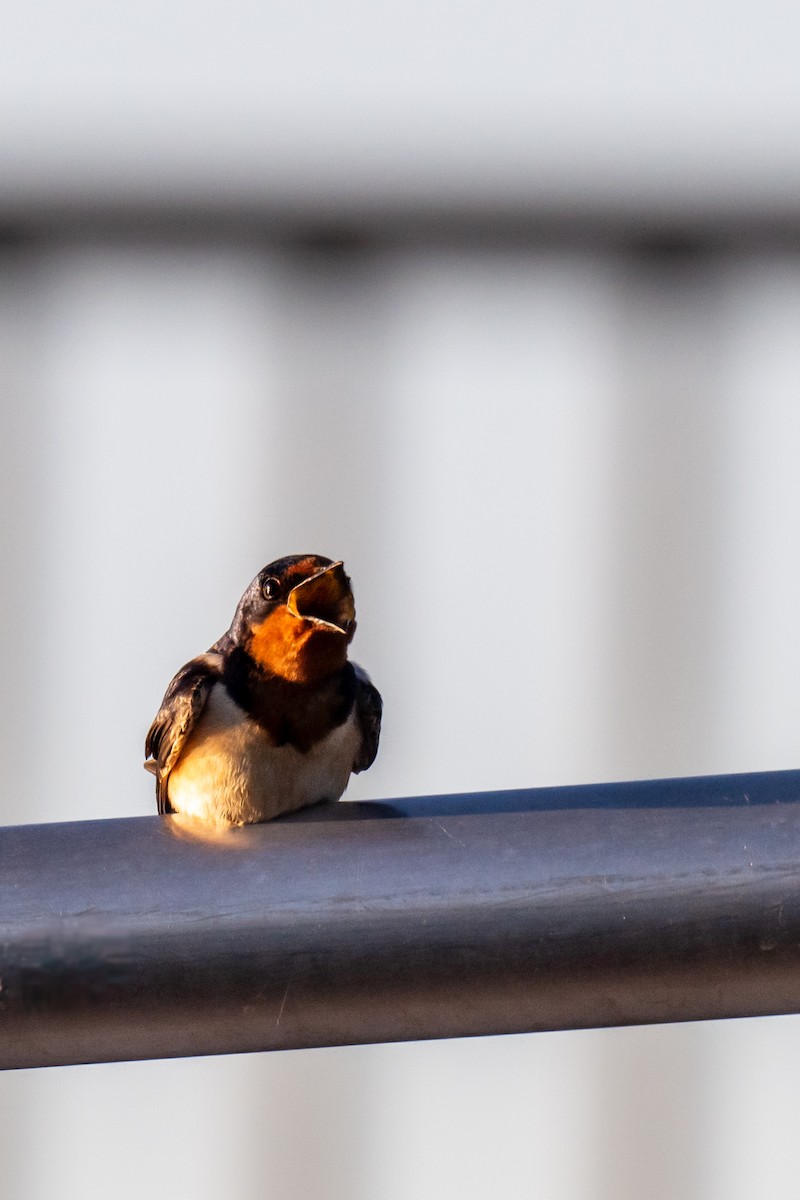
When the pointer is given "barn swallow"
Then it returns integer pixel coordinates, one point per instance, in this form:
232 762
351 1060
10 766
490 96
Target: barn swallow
274 717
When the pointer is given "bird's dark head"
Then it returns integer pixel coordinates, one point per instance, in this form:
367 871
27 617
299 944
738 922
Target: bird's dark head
297 618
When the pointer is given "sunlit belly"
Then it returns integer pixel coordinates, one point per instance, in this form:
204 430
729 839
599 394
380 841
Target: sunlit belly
229 772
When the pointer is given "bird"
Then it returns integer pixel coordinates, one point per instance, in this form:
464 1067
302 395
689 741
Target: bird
273 717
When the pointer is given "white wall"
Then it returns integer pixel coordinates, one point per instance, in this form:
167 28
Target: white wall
570 105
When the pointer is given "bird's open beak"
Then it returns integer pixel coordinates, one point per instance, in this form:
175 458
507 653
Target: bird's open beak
325 599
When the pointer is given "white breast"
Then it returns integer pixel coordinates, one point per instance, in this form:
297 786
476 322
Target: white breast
230 772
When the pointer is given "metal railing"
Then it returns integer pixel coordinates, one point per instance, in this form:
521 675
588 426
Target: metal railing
435 917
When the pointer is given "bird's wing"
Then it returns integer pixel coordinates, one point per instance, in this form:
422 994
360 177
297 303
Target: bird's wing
222 645
369 707
183 702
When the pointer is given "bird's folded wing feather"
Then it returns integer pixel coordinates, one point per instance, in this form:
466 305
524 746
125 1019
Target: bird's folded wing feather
369 707
181 707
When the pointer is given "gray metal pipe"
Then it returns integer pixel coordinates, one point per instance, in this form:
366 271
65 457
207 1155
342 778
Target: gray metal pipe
438 917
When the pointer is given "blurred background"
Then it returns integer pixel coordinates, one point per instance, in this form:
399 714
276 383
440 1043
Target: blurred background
500 304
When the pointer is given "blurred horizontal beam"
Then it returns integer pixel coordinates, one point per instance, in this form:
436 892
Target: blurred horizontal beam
437 917
665 235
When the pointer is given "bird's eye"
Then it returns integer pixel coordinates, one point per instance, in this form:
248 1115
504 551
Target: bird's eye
271 588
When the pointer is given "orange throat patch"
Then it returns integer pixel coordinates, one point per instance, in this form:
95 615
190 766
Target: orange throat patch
298 650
